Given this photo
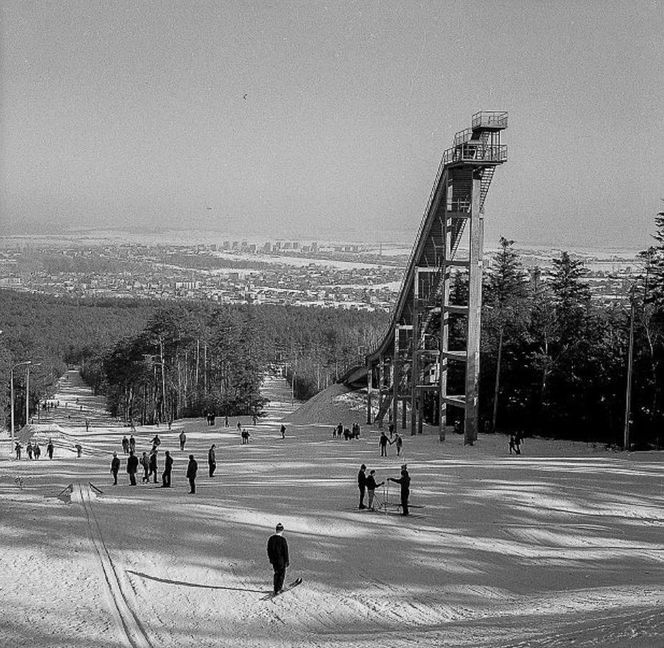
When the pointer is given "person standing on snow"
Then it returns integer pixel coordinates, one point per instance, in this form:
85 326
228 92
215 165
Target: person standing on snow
132 443
212 460
399 441
153 464
404 480
168 467
132 467
115 467
145 462
17 448
371 487
382 442
49 449
183 440
192 469
362 484
125 444
277 552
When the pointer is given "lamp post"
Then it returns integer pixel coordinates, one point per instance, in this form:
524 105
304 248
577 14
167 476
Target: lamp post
27 390
11 383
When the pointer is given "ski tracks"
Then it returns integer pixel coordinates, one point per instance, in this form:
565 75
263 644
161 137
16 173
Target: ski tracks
128 623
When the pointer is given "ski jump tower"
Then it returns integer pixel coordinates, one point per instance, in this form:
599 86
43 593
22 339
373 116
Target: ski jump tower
414 370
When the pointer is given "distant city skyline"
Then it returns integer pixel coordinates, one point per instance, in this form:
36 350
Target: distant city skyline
328 120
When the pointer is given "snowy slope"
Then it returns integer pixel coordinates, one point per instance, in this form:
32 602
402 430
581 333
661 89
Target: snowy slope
561 546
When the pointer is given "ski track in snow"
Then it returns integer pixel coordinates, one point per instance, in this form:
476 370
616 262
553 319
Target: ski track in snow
561 546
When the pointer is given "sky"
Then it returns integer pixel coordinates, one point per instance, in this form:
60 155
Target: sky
323 119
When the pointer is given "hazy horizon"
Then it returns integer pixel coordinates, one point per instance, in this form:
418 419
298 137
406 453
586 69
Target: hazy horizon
328 120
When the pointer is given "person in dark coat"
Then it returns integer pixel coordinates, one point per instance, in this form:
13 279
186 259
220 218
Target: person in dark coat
382 442
152 463
404 480
125 444
115 467
277 552
132 443
17 448
49 449
168 467
362 484
183 440
212 460
371 488
192 469
28 449
132 467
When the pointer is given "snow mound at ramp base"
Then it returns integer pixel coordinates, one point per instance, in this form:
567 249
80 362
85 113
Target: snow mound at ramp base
334 405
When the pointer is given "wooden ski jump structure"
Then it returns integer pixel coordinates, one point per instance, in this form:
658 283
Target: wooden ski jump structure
413 370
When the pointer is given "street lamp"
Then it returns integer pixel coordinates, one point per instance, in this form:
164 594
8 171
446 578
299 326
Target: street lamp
11 382
27 390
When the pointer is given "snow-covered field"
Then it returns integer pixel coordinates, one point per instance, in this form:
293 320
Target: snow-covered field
561 546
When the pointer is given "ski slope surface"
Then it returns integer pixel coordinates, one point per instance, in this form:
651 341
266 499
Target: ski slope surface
563 545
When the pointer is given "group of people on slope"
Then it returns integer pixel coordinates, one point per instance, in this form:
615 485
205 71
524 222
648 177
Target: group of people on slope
33 450
340 431
149 462
367 486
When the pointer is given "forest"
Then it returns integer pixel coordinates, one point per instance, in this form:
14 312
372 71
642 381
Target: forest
554 361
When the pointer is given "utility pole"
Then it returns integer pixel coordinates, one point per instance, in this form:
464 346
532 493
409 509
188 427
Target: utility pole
11 382
630 362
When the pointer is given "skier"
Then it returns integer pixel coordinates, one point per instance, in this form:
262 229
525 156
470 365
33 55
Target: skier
125 444
132 467
153 464
212 460
115 466
362 484
168 467
49 449
371 487
404 480
183 440
277 552
192 468
283 431
399 441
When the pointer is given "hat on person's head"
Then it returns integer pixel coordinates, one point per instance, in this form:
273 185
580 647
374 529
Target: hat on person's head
404 466
280 527
362 467
371 472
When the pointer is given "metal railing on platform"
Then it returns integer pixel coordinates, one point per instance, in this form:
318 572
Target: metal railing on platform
475 153
490 119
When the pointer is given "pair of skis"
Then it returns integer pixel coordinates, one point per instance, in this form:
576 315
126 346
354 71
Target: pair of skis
286 588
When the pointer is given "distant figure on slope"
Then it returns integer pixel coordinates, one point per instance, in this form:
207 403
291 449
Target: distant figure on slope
153 465
115 467
512 443
226 420
362 484
87 425
192 469
168 467
283 431
334 432
245 437
518 438
36 450
239 426
79 450
371 488
132 467
17 449
340 430
28 449
277 552
49 449
212 460
125 444
132 443
382 442
399 441
156 441
145 462
404 480
183 440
